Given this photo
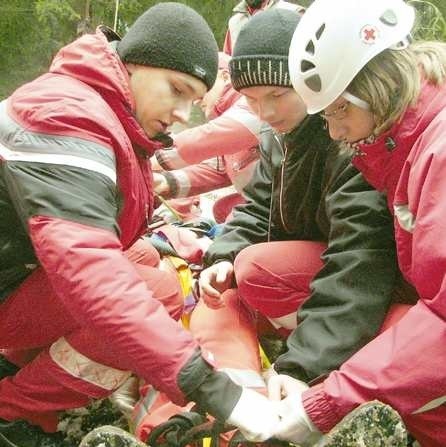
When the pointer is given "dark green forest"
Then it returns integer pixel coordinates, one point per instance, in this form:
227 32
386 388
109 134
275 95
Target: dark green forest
31 31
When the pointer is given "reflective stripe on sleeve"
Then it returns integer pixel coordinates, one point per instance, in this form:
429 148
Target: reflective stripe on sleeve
77 365
20 144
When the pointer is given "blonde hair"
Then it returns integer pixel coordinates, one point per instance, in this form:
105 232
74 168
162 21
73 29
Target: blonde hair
391 81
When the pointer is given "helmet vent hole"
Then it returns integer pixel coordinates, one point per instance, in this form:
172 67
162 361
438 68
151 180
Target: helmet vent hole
310 48
320 31
389 18
314 83
306 65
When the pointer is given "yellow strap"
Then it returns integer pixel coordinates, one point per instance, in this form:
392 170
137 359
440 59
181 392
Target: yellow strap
184 274
264 359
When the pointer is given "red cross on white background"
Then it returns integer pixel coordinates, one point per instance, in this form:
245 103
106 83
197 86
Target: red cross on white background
369 34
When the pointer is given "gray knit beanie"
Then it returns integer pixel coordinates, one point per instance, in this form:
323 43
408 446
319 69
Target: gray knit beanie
172 35
264 60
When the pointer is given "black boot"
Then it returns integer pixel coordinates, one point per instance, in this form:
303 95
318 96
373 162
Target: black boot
23 434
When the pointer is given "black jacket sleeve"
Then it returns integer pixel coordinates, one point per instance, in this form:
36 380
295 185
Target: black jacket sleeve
351 294
250 223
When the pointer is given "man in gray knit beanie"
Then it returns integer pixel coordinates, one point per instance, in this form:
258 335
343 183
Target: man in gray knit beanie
173 36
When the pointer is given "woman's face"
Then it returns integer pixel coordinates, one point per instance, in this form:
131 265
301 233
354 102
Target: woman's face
281 107
162 97
348 122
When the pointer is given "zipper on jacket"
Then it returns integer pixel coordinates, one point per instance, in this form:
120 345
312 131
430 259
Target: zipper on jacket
272 191
270 211
282 175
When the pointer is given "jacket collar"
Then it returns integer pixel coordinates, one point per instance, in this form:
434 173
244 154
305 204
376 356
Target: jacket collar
381 161
93 60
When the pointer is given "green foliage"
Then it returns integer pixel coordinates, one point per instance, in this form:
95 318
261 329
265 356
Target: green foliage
21 52
31 31
75 424
430 22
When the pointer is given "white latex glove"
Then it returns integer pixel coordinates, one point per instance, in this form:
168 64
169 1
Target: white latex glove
268 373
255 416
126 396
295 426
214 281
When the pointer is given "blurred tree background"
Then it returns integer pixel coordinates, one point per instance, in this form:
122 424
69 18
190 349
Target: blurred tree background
31 31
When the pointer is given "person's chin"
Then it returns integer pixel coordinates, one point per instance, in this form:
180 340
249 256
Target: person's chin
281 127
149 129
154 129
150 132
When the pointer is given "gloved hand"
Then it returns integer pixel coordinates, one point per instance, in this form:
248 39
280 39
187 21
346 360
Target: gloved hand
214 281
295 425
255 416
214 392
268 373
126 396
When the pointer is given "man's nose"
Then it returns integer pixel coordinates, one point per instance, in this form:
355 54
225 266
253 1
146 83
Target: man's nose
182 111
265 111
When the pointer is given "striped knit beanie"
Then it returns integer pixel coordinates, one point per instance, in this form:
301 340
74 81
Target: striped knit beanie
172 35
260 55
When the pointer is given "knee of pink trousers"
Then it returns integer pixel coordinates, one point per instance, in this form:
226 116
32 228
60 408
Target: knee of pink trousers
274 277
165 287
163 283
144 253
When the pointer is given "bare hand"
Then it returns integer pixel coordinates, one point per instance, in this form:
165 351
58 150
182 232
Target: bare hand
160 184
214 281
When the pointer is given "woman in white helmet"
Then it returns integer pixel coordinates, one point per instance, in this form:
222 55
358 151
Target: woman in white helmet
385 96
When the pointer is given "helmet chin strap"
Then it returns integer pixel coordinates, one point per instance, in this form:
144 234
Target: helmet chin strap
356 101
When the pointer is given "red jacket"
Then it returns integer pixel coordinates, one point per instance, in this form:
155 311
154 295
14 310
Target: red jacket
228 144
405 366
75 190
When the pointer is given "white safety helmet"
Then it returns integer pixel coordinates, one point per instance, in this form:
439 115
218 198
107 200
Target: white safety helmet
336 38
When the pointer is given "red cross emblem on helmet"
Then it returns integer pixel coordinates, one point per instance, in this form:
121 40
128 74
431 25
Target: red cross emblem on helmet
369 34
